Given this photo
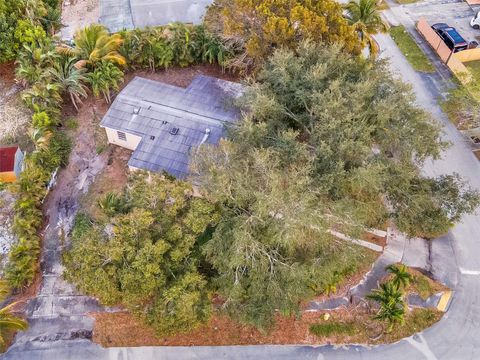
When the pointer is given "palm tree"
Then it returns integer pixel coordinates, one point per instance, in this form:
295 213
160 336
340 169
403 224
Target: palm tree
94 44
8 321
392 306
401 277
71 80
105 78
365 18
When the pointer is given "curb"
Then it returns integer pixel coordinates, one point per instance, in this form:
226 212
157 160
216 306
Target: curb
445 301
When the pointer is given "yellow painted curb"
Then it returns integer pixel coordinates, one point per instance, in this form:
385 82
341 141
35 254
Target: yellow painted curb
444 300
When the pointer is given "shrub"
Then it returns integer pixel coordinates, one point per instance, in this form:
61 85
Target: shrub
174 44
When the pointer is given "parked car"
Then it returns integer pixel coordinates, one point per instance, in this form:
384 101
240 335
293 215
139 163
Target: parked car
475 21
451 37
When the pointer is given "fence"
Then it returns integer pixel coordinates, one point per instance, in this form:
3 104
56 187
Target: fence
453 60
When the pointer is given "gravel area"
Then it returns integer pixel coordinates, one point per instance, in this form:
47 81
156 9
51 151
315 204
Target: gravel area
77 14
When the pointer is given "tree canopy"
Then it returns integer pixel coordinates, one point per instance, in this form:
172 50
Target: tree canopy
23 22
142 257
254 29
329 141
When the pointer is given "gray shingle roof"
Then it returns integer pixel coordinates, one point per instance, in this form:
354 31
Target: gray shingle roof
151 110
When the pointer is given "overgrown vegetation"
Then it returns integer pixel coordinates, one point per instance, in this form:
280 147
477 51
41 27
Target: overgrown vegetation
361 328
8 321
415 56
52 72
252 30
22 22
321 147
146 255
330 141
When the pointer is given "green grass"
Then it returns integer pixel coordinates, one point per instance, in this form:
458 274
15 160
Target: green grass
406 1
474 67
410 49
417 320
71 124
422 287
332 328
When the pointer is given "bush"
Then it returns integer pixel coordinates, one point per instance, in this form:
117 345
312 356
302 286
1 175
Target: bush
31 189
170 45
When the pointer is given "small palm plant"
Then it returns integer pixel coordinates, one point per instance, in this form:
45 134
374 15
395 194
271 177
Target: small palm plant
401 277
93 44
363 15
71 80
8 321
112 204
392 306
105 78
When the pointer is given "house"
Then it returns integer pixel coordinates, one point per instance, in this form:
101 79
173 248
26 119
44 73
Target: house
117 15
11 163
163 124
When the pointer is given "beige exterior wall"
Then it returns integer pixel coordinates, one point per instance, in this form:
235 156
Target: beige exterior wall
468 55
460 70
133 168
131 142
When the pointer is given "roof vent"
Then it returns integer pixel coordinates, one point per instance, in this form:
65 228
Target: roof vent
152 137
136 111
164 122
174 131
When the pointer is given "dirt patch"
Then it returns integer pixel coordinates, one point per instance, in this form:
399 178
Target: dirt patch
77 14
182 77
375 239
7 75
112 179
122 329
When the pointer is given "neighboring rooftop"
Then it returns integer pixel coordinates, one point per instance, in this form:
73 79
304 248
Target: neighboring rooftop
171 120
7 158
117 15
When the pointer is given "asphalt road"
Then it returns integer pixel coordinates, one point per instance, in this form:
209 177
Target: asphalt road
455 337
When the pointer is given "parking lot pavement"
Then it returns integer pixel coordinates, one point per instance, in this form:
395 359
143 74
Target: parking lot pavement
456 13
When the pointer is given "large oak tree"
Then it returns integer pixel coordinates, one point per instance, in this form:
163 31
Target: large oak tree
330 141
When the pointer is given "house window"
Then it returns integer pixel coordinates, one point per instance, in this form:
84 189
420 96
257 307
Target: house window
122 135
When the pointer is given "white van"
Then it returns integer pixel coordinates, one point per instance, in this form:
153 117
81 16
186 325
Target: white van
475 22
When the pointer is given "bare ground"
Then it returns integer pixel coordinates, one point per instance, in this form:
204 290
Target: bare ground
182 77
77 14
122 329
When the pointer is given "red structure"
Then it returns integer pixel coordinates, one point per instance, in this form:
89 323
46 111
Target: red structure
10 163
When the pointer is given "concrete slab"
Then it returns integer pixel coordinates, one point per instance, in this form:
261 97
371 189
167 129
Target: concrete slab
128 14
416 253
